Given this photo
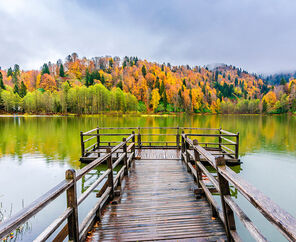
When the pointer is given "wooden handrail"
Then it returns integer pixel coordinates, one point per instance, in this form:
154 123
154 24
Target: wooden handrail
26 213
69 185
281 219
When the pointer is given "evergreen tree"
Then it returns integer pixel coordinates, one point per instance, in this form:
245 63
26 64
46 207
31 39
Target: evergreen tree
87 78
45 69
119 85
165 99
9 72
23 90
2 86
283 81
144 71
15 74
162 88
16 89
157 84
62 72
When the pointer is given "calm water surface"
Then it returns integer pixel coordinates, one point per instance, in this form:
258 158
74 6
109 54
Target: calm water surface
35 152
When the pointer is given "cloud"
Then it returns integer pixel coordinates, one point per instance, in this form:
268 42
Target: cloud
256 35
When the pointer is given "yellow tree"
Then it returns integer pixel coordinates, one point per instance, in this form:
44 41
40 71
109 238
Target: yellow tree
155 97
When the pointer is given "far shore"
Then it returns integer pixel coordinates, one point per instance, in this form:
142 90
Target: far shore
9 115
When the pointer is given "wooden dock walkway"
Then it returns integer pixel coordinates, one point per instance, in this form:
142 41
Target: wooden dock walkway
154 185
158 203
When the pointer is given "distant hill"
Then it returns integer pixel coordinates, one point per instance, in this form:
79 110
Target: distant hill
275 79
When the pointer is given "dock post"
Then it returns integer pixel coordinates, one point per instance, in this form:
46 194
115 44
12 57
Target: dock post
187 146
182 146
139 138
82 144
220 139
237 146
110 176
125 157
134 146
178 138
98 141
228 215
196 160
73 229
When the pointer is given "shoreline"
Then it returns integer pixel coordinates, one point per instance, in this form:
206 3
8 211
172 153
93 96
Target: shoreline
9 115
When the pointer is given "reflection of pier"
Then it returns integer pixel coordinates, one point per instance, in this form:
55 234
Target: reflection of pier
162 189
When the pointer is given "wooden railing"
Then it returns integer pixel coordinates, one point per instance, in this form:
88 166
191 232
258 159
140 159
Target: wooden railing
222 140
281 219
72 229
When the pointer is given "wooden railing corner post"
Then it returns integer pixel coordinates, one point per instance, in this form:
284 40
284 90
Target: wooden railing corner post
134 146
178 138
183 143
139 138
125 156
237 146
110 176
98 140
228 214
73 228
220 138
82 144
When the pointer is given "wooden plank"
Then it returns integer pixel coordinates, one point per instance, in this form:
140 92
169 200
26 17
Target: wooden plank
158 202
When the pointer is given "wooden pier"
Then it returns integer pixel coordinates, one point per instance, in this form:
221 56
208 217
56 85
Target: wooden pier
162 190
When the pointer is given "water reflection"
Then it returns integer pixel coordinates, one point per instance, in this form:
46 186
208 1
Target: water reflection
57 138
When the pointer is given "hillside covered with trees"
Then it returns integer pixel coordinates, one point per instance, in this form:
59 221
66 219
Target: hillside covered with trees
103 84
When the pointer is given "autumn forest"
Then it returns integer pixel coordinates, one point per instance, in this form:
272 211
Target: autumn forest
109 84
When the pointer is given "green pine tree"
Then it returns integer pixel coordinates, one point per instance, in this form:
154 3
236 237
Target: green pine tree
16 89
9 72
144 71
283 81
62 72
2 86
45 69
23 90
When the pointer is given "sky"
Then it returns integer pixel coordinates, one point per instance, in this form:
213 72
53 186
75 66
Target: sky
258 36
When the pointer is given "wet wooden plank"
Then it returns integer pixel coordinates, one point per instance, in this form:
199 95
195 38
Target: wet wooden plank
158 203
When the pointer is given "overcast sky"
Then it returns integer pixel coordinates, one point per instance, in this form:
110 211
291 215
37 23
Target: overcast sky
257 35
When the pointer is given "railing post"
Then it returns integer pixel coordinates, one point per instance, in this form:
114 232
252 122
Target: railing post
187 146
196 160
125 157
220 139
178 138
73 229
224 191
82 144
139 138
237 146
134 146
98 141
110 176
182 145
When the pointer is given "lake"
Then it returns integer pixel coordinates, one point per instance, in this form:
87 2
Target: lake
35 152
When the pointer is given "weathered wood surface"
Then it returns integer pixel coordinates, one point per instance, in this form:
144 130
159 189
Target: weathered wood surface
158 203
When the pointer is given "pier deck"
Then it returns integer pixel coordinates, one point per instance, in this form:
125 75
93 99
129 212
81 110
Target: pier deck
158 203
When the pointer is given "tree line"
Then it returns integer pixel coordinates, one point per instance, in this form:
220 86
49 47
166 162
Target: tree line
89 86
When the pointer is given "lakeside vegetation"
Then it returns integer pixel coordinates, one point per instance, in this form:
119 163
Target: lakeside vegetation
106 84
